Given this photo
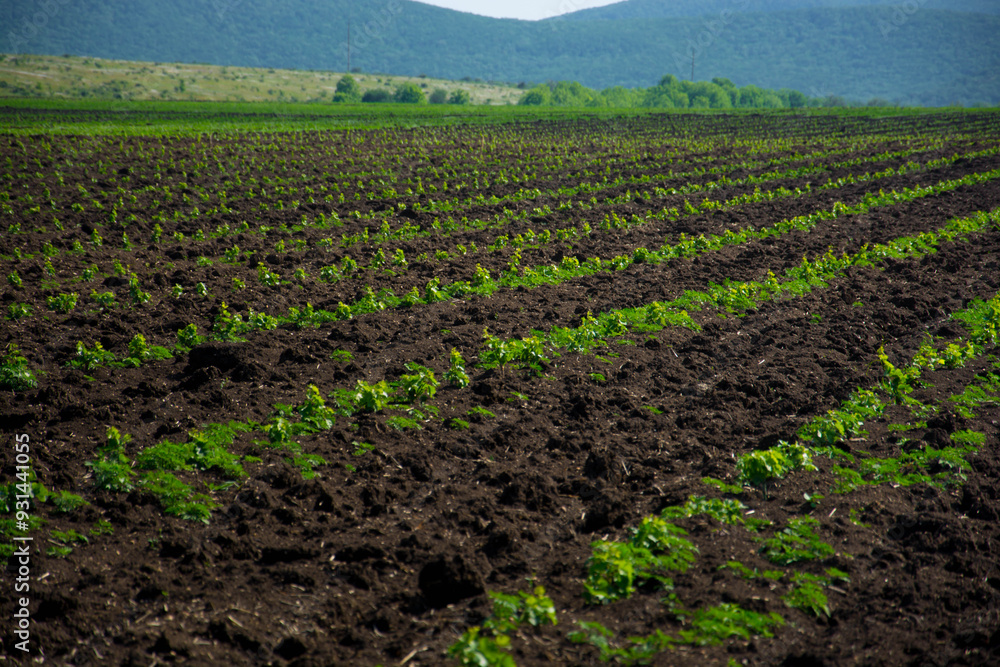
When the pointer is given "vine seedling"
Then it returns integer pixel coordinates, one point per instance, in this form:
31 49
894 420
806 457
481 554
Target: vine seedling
113 472
62 303
14 372
371 397
419 385
487 645
796 543
139 352
456 375
89 359
758 468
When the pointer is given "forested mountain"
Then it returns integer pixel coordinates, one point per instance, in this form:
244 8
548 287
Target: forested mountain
928 56
637 9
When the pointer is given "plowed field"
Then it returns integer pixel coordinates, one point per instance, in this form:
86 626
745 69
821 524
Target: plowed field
726 387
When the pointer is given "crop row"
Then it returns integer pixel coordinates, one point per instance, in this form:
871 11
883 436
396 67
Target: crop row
448 226
456 163
412 393
659 547
229 326
124 204
734 296
533 351
481 282
408 231
215 155
584 189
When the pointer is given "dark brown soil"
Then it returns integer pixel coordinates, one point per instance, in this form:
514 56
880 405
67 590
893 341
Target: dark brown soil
386 557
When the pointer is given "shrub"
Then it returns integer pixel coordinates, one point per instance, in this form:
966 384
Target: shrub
376 96
459 97
408 93
348 90
537 96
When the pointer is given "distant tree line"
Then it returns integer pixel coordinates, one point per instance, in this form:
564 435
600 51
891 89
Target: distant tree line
672 93
669 93
349 91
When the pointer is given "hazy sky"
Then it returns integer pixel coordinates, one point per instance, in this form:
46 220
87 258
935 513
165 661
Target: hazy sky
519 9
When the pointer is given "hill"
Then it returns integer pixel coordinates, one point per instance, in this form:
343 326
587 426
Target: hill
81 77
637 9
856 52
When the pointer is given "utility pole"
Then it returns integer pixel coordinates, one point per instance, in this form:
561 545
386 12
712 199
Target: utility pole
692 64
348 46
